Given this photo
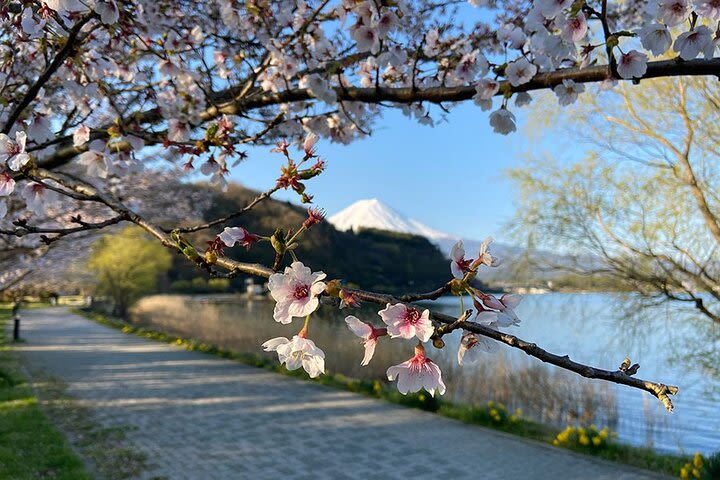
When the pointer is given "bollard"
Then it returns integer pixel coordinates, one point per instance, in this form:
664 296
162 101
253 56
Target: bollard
16 328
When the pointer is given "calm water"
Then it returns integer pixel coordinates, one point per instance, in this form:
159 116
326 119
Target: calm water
591 328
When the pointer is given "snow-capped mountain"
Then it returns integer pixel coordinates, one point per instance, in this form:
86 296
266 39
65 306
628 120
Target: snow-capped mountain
372 213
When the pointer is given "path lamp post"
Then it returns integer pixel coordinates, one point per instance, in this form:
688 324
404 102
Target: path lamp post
16 319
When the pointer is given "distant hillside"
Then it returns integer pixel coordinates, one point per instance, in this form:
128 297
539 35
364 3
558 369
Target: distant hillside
372 259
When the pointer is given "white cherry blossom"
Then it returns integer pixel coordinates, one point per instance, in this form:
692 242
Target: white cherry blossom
7 184
505 307
673 12
632 64
572 29
472 345
656 38
567 92
416 373
38 197
550 8
708 9
296 353
296 292
459 265
81 135
367 333
690 44
503 121
407 322
484 255
13 152
520 71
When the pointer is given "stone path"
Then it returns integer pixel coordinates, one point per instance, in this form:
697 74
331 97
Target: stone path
202 417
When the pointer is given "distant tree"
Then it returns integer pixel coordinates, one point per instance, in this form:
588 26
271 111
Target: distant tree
127 265
645 208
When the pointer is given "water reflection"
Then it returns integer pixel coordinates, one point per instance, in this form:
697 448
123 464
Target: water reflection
591 328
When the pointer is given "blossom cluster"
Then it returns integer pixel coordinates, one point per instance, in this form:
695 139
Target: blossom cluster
296 292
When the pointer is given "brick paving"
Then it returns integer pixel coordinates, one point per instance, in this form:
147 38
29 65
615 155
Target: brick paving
202 417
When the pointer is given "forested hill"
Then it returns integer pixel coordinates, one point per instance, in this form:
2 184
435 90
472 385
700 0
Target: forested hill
371 259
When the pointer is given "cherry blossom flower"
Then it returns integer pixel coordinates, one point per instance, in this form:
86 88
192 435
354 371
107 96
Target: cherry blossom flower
550 8
520 71
81 135
387 22
40 130
486 89
632 64
484 255
368 333
14 151
7 184
708 8
471 345
30 26
503 121
309 145
511 36
673 12
505 306
95 163
656 38
522 99
237 235
690 44
108 11
572 29
37 197
296 353
367 39
459 266
295 292
416 373
568 91
407 322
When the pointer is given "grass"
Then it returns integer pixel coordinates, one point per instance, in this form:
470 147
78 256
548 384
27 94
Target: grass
30 446
492 415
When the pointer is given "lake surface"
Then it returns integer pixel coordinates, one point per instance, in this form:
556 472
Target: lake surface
592 328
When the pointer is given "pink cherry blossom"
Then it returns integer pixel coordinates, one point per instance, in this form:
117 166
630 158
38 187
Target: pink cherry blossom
295 291
416 373
296 353
572 29
368 333
407 322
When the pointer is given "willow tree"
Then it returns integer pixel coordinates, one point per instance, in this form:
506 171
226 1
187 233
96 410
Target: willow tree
100 94
643 208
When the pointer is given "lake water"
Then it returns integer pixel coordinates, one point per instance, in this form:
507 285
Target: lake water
592 328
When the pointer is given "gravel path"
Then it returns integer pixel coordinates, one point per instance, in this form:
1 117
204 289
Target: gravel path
202 417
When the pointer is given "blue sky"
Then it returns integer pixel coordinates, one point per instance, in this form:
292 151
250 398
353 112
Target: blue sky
449 176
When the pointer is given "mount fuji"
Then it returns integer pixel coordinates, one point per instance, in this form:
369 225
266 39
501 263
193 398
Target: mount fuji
372 213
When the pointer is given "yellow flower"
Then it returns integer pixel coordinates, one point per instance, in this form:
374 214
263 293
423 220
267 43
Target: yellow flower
684 474
696 473
518 412
584 440
596 441
603 434
493 412
421 397
581 431
697 461
555 442
501 406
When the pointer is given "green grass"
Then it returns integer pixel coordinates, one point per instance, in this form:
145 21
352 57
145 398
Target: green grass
30 447
492 415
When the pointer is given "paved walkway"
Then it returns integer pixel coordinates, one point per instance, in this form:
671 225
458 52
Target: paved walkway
202 417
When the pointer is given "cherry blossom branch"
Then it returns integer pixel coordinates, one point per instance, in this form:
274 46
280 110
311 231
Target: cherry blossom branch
68 49
403 95
174 241
22 229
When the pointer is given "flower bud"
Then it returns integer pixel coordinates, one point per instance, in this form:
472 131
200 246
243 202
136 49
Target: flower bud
438 343
210 257
333 287
277 241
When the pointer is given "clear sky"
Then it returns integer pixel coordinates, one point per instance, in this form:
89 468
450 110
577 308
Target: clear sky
449 177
